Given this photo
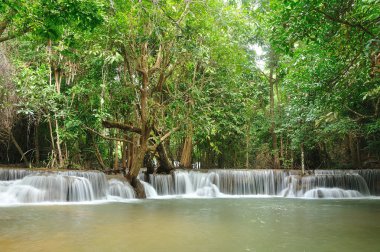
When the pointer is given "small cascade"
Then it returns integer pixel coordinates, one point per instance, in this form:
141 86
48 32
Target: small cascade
251 182
182 183
97 179
121 189
163 184
372 178
48 187
342 181
200 180
149 190
209 191
331 193
28 186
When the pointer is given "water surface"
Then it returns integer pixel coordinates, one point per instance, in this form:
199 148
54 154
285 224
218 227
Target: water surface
242 224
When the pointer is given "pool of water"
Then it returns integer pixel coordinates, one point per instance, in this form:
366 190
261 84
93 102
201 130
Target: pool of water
242 224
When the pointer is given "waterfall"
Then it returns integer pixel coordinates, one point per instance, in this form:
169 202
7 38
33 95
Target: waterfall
28 186
98 181
331 193
322 184
121 189
372 178
163 184
48 187
149 190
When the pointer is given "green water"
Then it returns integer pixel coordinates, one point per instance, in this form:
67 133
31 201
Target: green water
272 224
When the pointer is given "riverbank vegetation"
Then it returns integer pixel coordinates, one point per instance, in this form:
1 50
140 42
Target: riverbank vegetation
125 84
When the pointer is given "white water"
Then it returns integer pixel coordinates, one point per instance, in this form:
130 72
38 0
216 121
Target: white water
26 186
224 183
120 189
23 186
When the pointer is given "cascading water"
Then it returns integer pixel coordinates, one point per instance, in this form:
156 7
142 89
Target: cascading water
28 186
323 184
121 189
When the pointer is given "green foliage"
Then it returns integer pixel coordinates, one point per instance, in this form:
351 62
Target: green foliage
320 56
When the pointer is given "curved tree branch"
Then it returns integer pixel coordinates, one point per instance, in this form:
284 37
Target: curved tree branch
122 126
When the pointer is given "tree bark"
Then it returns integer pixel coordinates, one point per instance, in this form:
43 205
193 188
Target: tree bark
247 140
302 159
116 156
124 154
36 141
148 163
276 161
122 126
186 154
358 156
24 158
58 143
139 188
353 150
131 151
53 155
166 165
98 155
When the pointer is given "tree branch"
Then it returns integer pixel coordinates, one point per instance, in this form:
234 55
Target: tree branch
361 116
106 137
184 13
338 20
7 37
163 138
157 65
122 126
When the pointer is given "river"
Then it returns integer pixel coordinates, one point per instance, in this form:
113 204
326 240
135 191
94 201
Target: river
213 224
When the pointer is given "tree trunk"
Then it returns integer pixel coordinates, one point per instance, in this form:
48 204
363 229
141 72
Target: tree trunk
130 152
137 163
148 163
282 154
291 159
276 161
58 143
302 160
358 156
247 141
166 165
353 150
124 154
116 156
98 155
36 141
138 160
186 154
139 188
278 111
53 155
23 157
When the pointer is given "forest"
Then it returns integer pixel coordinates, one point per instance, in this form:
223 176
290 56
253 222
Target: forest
125 84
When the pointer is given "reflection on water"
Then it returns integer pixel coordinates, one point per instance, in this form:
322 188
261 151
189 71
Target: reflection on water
271 224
